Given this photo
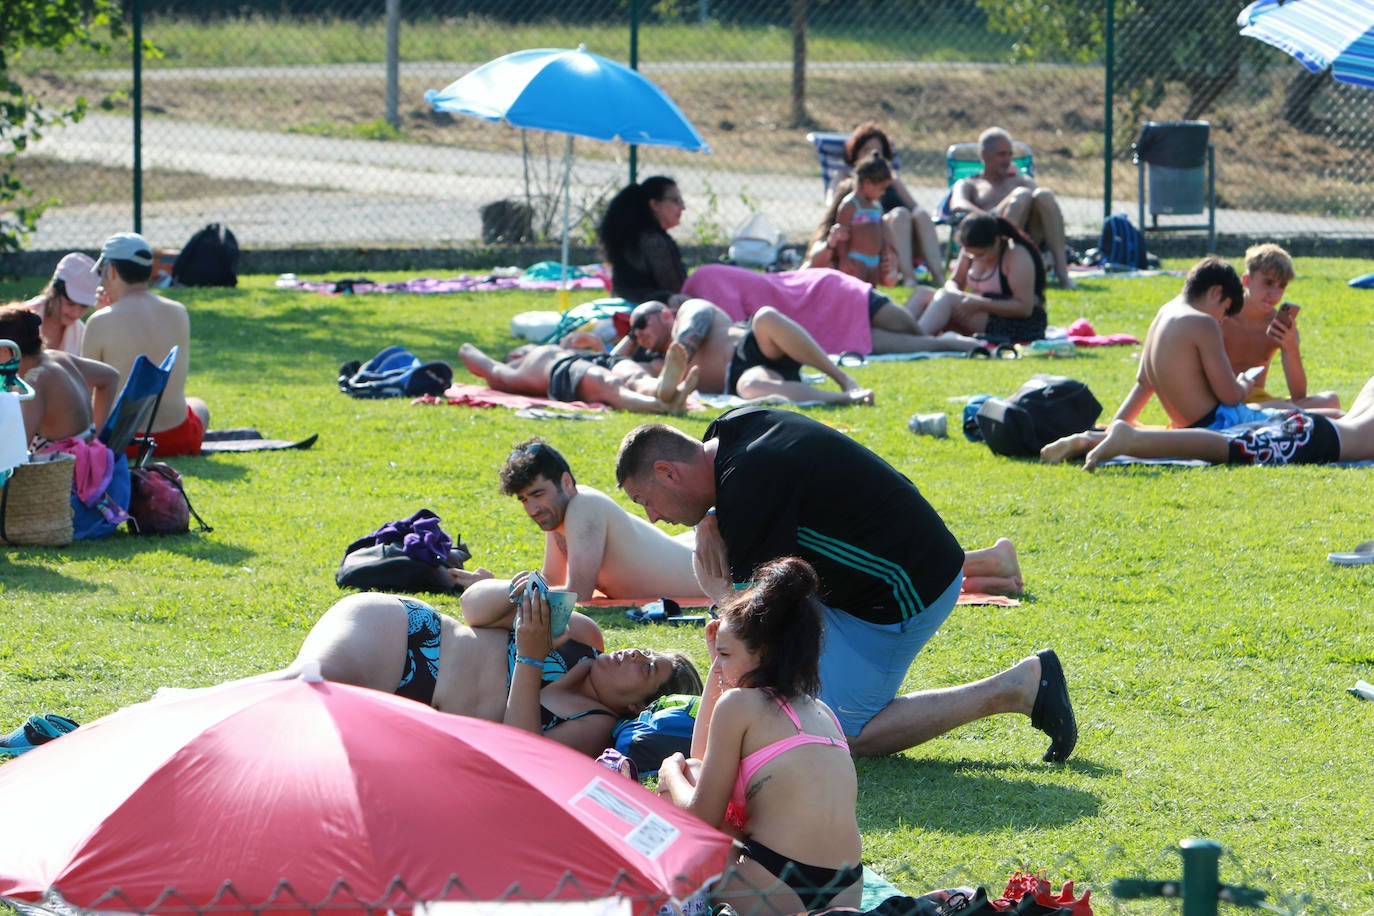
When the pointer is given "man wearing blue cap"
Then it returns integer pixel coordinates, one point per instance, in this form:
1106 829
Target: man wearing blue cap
139 322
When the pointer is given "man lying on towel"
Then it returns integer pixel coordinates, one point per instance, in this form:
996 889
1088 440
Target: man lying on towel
590 542
563 374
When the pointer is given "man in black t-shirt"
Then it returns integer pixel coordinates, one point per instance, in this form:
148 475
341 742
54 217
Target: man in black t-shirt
765 484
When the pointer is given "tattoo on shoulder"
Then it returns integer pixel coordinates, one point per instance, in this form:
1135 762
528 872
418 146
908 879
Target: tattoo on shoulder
698 327
754 788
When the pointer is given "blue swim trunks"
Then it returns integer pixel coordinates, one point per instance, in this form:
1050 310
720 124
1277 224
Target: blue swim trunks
864 664
1224 416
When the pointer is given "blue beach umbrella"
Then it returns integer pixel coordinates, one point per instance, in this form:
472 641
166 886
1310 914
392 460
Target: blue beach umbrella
570 92
1322 34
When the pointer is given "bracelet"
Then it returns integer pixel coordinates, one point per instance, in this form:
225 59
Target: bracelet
532 662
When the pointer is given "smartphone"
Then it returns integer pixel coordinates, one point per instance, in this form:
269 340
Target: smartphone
1288 312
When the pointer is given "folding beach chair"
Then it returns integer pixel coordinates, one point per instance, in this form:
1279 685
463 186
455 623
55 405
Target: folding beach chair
830 150
13 389
136 406
962 161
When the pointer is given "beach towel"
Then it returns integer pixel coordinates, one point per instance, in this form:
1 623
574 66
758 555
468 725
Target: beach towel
1082 334
588 278
478 396
247 439
831 305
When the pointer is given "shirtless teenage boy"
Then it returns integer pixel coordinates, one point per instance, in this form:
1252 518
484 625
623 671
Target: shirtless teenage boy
761 359
570 375
1000 189
138 322
1184 362
590 542
1257 332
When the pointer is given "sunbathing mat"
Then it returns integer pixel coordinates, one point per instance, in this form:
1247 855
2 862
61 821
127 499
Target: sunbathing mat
1088 272
478 396
1198 463
464 283
245 439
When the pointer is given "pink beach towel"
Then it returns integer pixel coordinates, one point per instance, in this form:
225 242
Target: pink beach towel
833 306
478 396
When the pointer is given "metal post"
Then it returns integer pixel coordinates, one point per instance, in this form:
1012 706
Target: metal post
634 65
138 115
393 61
1201 881
1107 128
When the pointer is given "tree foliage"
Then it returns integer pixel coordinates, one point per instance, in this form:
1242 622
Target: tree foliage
1158 43
55 25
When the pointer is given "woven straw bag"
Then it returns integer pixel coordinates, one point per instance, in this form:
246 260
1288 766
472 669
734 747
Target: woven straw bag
35 506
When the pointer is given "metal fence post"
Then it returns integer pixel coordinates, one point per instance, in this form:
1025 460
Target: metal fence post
138 115
1108 104
1201 880
393 61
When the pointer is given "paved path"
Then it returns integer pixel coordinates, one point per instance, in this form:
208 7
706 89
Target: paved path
358 192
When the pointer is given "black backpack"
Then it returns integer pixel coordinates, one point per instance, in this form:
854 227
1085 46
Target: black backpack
209 258
1046 408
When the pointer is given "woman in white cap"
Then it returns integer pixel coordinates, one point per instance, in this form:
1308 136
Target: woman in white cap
69 295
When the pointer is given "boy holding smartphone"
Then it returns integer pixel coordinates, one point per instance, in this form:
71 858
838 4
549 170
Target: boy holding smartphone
1267 325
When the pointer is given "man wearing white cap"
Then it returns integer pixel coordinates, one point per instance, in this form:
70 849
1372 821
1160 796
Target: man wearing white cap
138 321
69 295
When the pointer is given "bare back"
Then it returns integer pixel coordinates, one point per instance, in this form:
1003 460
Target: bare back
61 406
1184 362
622 554
142 323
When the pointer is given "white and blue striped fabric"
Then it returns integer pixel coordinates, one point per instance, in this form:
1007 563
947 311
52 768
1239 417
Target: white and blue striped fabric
1321 34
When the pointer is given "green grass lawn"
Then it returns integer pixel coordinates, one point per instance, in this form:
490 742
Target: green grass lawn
1207 641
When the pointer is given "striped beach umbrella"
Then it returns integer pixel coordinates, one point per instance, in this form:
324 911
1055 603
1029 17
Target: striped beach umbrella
1322 34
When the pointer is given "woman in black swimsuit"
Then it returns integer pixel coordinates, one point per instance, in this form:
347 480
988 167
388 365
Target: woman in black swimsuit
566 689
997 290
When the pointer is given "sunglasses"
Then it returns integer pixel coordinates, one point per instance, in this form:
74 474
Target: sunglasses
640 323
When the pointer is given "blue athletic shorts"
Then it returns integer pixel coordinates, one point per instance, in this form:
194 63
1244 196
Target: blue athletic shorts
1225 416
864 664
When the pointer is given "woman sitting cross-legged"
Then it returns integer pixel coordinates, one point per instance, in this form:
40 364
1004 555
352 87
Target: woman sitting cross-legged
997 289
769 760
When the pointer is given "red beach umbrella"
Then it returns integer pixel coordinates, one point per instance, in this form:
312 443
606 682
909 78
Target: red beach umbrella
300 793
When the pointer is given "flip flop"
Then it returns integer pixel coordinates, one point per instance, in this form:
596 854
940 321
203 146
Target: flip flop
665 610
1052 712
1362 555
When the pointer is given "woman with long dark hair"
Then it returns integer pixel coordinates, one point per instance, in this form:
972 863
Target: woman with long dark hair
997 289
645 261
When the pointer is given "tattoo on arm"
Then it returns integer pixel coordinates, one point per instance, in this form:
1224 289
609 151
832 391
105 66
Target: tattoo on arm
692 336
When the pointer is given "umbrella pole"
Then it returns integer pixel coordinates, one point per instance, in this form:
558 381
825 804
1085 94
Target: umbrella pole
564 297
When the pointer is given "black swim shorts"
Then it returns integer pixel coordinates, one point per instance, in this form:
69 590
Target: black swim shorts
1294 437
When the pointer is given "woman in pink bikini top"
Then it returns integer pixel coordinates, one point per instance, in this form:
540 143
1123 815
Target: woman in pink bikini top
770 762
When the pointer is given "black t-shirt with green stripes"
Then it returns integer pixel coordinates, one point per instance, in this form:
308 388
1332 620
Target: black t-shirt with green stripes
787 485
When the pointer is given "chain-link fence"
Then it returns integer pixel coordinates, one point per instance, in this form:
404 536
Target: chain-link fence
273 116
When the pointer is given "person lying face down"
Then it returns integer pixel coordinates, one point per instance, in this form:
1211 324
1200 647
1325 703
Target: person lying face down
591 544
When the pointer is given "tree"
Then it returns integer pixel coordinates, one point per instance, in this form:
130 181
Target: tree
53 25
799 116
1158 43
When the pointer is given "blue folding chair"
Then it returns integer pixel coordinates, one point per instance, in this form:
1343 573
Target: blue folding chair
136 406
830 150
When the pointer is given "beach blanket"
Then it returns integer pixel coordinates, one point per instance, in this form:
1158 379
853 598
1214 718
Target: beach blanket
831 305
1120 460
246 439
1086 271
479 396
586 278
1082 334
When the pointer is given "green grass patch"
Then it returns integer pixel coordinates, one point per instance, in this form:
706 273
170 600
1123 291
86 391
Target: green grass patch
1206 639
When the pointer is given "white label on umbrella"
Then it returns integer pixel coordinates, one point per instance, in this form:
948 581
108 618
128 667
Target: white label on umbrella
648 833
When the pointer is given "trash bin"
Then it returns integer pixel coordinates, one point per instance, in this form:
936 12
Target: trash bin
1176 153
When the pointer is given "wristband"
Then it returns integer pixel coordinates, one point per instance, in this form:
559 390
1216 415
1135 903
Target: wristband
532 662
711 511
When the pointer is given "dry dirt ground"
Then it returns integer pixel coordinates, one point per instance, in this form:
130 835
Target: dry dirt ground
1262 162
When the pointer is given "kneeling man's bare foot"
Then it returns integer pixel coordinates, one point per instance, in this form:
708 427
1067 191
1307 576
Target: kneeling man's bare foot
670 376
1008 568
860 396
678 403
